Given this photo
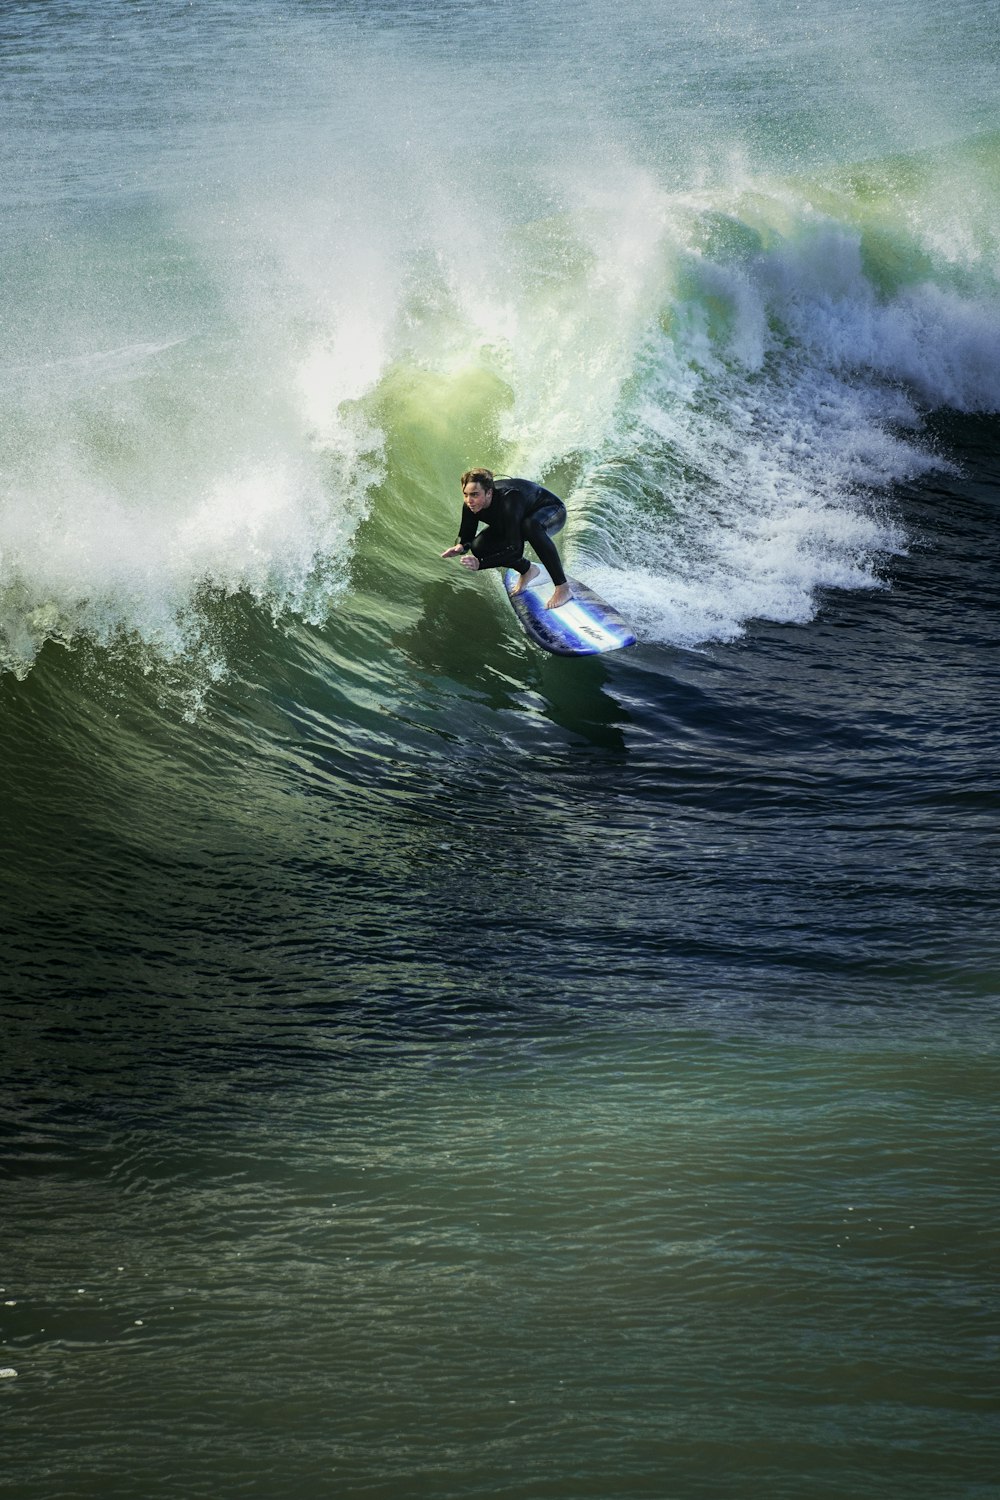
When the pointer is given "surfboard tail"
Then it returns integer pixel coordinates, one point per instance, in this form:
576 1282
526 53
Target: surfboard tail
587 626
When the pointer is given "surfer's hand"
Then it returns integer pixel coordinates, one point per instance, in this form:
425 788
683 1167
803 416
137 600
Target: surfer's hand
470 561
452 551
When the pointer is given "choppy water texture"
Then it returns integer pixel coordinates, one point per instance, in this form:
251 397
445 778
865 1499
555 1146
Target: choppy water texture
431 1068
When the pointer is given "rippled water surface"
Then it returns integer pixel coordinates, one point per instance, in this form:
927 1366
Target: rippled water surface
432 1068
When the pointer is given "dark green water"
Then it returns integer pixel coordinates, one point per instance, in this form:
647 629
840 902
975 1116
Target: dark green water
431 1068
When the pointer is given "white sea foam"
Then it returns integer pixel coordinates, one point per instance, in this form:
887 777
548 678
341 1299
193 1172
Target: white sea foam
199 377
773 417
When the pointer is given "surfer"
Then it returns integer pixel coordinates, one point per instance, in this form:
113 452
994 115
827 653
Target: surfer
514 511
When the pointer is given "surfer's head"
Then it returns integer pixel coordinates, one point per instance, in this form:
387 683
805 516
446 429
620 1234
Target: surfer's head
477 488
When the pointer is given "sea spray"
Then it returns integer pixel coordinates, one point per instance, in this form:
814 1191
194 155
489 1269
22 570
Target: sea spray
724 366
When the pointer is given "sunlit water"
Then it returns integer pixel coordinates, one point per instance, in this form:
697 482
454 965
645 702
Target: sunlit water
432 1068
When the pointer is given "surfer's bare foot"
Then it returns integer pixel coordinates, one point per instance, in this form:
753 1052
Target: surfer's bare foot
525 579
561 596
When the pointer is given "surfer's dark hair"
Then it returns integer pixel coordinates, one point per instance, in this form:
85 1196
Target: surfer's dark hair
482 477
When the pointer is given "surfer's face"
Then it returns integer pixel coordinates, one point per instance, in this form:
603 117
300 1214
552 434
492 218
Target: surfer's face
476 498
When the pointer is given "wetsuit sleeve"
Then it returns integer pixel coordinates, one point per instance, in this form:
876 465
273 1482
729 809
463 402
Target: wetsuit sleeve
467 528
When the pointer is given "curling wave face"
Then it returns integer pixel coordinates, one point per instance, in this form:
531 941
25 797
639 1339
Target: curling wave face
236 370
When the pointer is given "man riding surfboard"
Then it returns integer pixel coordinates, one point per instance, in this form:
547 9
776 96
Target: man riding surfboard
514 511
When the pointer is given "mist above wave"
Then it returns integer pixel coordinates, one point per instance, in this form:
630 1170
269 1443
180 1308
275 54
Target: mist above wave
207 330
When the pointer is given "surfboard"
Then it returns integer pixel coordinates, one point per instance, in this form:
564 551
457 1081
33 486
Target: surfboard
586 626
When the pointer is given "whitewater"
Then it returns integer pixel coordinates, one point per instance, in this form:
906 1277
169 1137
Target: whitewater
233 329
431 1067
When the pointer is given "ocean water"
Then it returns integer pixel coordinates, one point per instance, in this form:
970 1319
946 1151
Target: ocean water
431 1068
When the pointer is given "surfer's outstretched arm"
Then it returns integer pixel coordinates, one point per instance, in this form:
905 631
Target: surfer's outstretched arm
467 558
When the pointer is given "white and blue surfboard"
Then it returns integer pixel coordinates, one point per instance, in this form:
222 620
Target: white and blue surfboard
586 626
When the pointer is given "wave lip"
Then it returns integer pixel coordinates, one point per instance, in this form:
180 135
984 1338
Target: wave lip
779 399
724 383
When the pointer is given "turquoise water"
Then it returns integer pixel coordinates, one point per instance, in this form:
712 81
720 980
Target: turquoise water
432 1068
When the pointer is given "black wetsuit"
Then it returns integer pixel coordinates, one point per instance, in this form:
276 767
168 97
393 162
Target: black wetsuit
519 512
